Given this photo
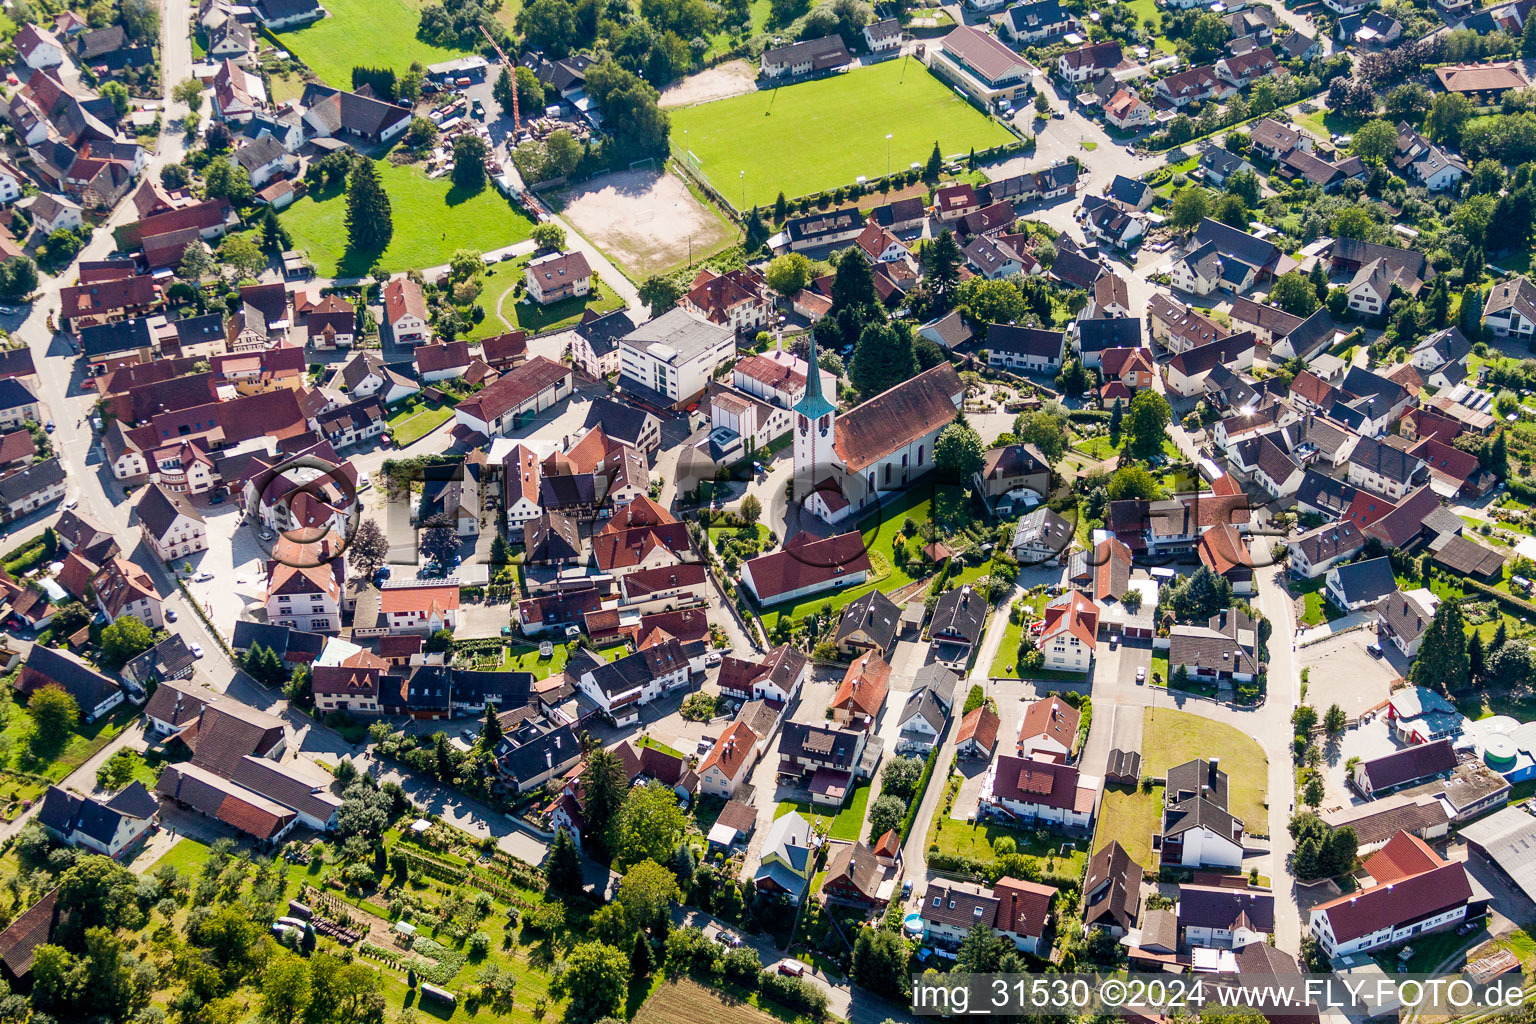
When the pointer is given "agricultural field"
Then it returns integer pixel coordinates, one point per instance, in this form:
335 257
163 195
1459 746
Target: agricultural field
420 205
680 1001
752 147
367 33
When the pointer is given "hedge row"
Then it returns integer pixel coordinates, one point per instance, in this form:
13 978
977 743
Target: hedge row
913 804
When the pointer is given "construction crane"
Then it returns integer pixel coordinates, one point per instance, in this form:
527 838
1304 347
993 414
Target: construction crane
517 117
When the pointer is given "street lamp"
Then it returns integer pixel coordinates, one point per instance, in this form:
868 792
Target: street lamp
743 176
887 154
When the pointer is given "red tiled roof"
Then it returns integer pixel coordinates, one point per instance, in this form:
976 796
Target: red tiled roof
731 751
864 685
807 563
980 724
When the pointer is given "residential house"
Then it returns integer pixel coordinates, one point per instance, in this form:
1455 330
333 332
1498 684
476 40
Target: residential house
1197 829
977 735
1036 21
1067 641
739 299
557 276
1402 618
405 312
868 624
94 693
1049 729
1112 890
1415 891
1424 163
1088 63
1224 916
861 696
170 526
1038 791
1041 538
959 616
729 762
111 827
1357 585
620 687
1320 549
1511 309
806 57
787 858
1024 349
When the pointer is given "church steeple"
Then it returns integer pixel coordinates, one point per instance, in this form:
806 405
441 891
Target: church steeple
814 405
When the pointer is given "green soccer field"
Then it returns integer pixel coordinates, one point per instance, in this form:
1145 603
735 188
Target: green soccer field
363 33
805 138
422 207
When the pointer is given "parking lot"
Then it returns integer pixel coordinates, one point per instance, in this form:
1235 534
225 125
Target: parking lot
1343 672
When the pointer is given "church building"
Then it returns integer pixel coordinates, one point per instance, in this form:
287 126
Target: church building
846 461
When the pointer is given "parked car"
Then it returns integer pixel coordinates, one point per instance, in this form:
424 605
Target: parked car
728 939
712 658
170 615
1375 650
1141 676
196 649
202 577
793 968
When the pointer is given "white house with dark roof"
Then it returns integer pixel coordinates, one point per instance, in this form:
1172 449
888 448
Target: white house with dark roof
171 527
883 36
1511 309
1357 585
108 827
1024 349
1197 829
1036 21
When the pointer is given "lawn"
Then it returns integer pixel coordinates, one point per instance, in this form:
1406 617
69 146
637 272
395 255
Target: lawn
370 33
188 857
504 313
408 424
974 841
881 531
1130 816
655 744
779 137
1324 123
1148 9
1170 738
849 823
421 205
1318 610
1004 664
528 659
81 746
1429 952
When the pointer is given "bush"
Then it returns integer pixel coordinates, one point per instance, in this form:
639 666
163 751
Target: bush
794 993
